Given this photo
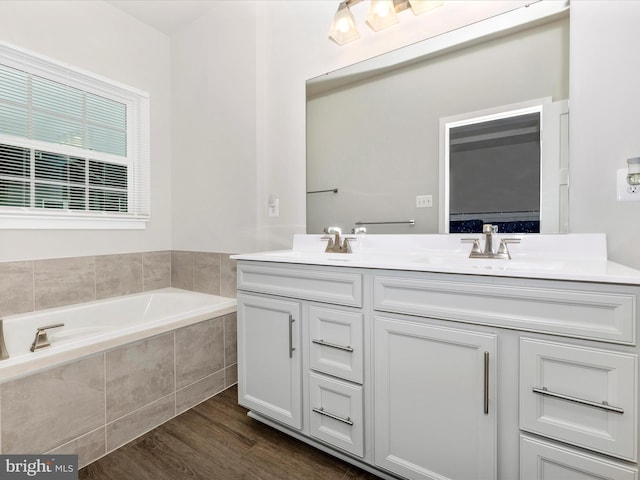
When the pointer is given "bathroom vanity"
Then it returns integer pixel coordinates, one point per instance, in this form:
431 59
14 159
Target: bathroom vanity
409 359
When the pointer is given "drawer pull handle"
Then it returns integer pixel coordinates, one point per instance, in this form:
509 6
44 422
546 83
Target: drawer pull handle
332 345
603 406
486 383
291 347
322 411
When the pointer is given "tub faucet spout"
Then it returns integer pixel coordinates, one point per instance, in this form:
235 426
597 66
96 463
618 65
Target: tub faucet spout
4 353
41 340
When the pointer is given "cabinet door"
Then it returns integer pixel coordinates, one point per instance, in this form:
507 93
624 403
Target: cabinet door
435 408
269 358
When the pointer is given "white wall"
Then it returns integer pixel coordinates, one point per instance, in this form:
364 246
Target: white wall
214 130
101 39
605 121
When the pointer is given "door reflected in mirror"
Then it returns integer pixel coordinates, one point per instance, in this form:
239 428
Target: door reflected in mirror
495 167
494 170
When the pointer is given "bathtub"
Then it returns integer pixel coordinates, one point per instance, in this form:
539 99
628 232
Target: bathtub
117 369
95 326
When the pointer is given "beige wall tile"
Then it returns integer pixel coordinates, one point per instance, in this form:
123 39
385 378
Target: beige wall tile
44 410
182 269
206 272
138 374
88 447
199 351
140 421
230 339
16 288
199 391
156 268
228 277
63 281
230 375
118 275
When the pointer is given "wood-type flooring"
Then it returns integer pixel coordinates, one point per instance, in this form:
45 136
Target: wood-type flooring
216 440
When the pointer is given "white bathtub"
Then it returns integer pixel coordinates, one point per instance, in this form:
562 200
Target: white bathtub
95 326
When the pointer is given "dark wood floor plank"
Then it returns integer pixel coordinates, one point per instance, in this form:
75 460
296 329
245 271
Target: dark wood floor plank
216 440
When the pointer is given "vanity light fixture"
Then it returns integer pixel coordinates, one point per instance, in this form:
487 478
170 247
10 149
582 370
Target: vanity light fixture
343 29
382 14
633 175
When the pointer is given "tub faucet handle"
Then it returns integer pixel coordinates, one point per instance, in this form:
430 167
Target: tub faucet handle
4 354
41 340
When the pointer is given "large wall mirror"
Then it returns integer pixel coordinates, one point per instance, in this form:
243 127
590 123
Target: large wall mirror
375 129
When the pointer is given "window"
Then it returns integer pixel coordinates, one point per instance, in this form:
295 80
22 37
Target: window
74 147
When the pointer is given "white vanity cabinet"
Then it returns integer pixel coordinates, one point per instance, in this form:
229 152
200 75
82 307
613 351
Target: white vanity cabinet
431 375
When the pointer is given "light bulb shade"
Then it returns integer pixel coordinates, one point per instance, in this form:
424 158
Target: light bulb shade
343 29
421 6
633 178
382 14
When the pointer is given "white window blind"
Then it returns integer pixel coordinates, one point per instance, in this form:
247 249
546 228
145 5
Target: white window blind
74 147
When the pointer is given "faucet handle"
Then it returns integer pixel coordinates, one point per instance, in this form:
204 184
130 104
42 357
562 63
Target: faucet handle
41 340
475 249
333 230
503 249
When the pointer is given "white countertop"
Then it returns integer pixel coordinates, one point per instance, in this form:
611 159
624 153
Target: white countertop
579 257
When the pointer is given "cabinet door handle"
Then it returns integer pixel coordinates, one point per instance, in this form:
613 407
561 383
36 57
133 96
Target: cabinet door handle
332 345
322 411
486 383
291 347
603 406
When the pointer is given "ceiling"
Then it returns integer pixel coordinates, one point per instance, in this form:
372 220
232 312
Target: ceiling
168 16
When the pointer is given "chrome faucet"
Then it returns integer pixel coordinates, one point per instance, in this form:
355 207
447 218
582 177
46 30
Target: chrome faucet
489 231
41 340
336 244
4 353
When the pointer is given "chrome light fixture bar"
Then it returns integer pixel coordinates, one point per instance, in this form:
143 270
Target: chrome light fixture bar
382 14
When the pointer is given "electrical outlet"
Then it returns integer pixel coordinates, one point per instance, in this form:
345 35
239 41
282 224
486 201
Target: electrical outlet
424 201
626 192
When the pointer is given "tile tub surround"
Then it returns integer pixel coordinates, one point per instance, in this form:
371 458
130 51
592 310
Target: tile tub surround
26 286
93 405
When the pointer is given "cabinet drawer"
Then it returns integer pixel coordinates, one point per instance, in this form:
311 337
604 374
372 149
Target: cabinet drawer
307 283
587 311
580 395
540 460
337 413
336 343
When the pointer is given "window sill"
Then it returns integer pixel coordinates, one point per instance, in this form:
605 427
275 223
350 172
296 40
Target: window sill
45 222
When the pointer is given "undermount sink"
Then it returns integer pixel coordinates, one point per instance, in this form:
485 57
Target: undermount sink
493 263
302 255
